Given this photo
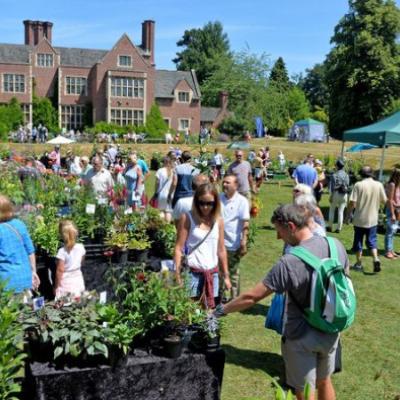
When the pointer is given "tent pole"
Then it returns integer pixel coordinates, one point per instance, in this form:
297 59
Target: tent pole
342 151
382 161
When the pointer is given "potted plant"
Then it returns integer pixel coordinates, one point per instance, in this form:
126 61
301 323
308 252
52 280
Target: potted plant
118 242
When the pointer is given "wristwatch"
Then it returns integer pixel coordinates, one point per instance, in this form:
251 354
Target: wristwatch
219 311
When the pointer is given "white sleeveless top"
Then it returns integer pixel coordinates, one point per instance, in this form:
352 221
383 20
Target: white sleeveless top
206 255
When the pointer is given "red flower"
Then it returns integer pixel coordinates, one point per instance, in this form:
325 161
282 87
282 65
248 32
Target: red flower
108 253
140 276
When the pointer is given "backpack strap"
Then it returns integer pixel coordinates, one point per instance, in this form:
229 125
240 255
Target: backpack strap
306 256
333 253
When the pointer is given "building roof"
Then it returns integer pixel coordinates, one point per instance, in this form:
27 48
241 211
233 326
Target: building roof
76 57
209 114
166 82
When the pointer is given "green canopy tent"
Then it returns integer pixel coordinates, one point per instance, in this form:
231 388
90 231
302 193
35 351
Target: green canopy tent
383 133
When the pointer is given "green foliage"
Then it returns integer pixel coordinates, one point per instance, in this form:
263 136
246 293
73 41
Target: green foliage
314 86
105 127
155 124
11 117
203 48
279 76
363 68
44 113
320 115
11 355
11 187
233 126
297 104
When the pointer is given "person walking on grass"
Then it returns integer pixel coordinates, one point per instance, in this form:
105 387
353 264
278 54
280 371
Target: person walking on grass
392 212
308 353
365 199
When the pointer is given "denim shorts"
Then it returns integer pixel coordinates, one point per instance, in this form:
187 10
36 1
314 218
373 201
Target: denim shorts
196 284
371 240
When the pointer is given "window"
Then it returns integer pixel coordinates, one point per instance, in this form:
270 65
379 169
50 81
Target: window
125 61
183 97
75 85
25 111
183 124
72 116
126 116
168 122
127 87
13 83
44 60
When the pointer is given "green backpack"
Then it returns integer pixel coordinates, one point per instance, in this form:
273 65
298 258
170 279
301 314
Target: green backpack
332 298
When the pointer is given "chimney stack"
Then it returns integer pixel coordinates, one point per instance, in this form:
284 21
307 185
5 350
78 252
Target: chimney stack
223 100
35 31
148 38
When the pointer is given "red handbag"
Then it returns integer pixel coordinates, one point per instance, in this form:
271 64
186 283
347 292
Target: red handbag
154 202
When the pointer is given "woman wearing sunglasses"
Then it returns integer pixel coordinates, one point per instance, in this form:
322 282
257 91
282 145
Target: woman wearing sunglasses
200 244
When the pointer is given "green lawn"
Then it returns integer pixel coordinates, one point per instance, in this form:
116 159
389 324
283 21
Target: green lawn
371 348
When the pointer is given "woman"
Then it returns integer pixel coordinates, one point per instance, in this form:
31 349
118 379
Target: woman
133 178
201 232
317 222
392 212
164 178
69 278
17 254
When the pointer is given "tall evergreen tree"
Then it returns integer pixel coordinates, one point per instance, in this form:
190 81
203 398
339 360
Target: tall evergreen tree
363 68
279 75
203 48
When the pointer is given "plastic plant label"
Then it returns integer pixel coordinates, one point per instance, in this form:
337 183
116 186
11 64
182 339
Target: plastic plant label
90 208
38 303
103 297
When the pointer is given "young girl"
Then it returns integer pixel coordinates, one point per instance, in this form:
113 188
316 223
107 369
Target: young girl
69 278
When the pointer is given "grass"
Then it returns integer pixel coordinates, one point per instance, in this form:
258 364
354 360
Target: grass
371 350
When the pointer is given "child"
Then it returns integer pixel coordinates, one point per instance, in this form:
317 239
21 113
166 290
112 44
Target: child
69 278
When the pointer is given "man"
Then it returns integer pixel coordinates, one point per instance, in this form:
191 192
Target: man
338 188
366 198
309 354
242 170
306 173
29 170
182 182
236 216
100 179
184 205
111 153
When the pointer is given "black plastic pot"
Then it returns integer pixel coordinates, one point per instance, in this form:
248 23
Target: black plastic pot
120 256
140 256
173 346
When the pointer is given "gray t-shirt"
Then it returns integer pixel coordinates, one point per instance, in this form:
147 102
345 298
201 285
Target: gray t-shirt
291 275
242 170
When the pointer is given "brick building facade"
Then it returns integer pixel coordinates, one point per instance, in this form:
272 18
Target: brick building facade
118 85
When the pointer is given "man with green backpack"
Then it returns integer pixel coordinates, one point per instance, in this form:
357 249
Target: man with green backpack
320 301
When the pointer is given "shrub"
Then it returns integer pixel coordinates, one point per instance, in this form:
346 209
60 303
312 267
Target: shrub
155 124
232 126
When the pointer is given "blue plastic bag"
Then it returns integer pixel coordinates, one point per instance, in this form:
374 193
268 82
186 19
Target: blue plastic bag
275 313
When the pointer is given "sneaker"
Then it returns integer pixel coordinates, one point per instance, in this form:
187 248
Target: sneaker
377 266
390 255
357 267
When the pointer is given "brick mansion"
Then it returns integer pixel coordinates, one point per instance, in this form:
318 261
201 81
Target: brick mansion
117 85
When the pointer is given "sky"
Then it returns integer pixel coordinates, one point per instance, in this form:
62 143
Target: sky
297 30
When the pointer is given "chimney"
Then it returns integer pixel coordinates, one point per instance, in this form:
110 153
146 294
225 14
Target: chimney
35 31
223 100
148 38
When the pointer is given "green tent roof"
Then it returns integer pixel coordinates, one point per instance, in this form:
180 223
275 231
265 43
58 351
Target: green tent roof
308 121
385 131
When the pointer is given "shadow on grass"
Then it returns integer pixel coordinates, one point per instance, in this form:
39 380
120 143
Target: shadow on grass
267 227
271 363
258 309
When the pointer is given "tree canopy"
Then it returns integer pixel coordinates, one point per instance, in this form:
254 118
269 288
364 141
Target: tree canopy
363 68
279 75
314 86
203 48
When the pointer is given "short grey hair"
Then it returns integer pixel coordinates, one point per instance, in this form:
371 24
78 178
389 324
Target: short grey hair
294 213
306 200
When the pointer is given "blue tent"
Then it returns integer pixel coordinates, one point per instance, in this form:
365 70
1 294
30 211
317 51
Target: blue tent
259 127
310 130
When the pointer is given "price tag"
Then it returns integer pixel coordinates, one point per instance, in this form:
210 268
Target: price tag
103 297
90 208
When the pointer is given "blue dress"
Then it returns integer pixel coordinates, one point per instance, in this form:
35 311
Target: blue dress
131 177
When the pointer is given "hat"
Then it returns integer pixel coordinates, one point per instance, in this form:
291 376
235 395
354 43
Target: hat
318 162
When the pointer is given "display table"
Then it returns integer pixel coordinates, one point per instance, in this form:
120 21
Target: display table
141 377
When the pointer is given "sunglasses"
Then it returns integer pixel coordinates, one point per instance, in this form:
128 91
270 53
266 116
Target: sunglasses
206 203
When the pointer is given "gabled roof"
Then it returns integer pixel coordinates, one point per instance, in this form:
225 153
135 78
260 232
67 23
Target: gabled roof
166 82
74 57
209 114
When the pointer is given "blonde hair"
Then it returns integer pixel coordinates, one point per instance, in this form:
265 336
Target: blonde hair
68 233
6 209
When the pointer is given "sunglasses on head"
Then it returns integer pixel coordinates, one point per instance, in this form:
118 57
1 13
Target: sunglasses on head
206 203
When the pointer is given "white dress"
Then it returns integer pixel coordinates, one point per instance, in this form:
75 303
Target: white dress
164 185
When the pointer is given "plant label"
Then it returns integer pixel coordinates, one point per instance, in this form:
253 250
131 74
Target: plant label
38 303
90 208
103 297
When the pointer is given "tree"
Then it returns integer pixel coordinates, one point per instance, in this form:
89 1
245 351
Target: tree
314 86
297 104
155 124
279 75
363 68
44 113
11 117
203 48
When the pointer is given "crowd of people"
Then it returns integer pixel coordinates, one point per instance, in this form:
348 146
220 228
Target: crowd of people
211 215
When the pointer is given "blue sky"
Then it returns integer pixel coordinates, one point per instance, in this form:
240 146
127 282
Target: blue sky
297 30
